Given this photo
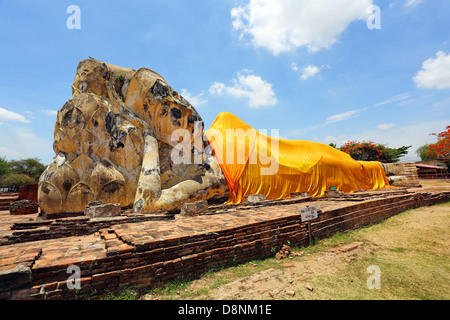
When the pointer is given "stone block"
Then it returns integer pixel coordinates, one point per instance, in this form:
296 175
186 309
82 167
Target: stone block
15 278
299 195
194 208
254 199
22 207
334 194
98 209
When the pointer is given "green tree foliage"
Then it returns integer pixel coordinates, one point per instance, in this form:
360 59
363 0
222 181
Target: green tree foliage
30 167
18 173
333 145
16 181
425 153
370 151
4 167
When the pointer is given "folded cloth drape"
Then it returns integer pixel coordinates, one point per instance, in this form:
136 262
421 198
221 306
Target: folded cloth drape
255 163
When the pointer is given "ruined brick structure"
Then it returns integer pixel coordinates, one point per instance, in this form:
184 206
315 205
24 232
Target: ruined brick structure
145 254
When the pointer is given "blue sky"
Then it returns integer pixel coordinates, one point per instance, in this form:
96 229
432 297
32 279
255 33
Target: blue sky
312 69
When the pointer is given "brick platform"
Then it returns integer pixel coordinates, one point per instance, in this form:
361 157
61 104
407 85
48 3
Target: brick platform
146 253
6 199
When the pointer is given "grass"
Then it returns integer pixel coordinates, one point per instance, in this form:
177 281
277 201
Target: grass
216 277
410 249
412 255
124 294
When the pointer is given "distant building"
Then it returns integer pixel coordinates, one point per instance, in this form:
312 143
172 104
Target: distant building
429 171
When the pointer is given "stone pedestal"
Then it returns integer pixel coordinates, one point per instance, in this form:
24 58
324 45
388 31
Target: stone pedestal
299 195
334 194
254 199
17 277
193 209
98 209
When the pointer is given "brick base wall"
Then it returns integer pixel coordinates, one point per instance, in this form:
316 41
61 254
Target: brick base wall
74 226
29 192
149 264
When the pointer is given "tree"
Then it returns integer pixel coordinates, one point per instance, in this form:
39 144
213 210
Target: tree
370 151
4 167
16 181
30 167
442 148
332 144
425 153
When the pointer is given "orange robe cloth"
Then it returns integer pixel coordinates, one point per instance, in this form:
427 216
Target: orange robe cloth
254 163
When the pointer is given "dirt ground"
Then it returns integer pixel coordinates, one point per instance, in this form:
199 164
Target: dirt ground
411 252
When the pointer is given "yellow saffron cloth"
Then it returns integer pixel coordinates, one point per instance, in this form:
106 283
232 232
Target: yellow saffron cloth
255 163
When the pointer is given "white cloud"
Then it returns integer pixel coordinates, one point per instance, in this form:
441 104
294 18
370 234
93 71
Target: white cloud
8 153
194 100
49 112
298 132
309 71
258 91
21 143
435 73
344 116
282 26
412 3
385 126
396 98
217 88
11 116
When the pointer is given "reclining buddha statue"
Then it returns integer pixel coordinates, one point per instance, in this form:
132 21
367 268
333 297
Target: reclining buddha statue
126 137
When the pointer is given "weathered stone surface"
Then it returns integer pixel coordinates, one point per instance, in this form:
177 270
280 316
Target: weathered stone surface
402 174
299 195
193 209
15 278
23 207
255 198
98 209
334 193
113 141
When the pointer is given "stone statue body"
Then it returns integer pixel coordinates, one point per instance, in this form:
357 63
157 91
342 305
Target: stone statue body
114 143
